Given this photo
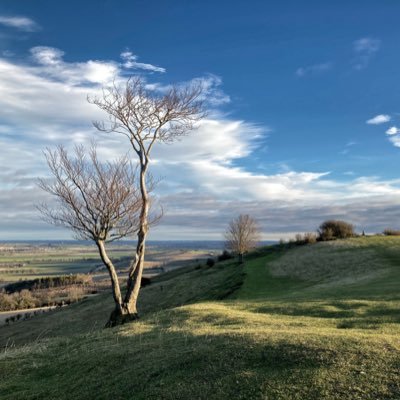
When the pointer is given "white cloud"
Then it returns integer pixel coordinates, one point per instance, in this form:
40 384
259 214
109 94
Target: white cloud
211 85
364 49
130 62
51 64
47 55
314 69
19 22
393 131
395 140
379 119
203 184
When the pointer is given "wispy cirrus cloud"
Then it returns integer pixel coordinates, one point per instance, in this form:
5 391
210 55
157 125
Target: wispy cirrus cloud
379 119
213 93
19 22
314 69
347 147
364 49
130 62
211 86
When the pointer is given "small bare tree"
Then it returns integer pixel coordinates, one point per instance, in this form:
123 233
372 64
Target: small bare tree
97 201
242 235
145 117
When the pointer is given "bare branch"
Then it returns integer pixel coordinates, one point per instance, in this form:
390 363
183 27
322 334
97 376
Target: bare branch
146 116
96 201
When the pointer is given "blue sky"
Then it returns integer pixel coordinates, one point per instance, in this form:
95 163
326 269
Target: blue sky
303 107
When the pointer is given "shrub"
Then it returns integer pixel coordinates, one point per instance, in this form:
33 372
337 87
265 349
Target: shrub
391 232
210 262
24 299
334 229
298 238
7 302
307 238
75 293
310 237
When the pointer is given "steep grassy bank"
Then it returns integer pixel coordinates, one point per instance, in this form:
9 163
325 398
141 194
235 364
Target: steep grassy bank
175 288
314 322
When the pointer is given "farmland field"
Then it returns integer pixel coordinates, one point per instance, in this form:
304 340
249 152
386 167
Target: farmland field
31 260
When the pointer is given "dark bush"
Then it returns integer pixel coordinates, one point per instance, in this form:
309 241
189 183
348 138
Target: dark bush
334 229
210 262
391 232
226 255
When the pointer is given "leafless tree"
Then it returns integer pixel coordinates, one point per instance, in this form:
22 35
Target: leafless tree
242 235
97 201
145 117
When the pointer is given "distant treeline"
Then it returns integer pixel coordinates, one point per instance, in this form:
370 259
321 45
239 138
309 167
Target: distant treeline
49 282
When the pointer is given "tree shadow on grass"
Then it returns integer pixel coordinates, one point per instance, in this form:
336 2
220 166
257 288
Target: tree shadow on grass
333 309
171 355
319 310
372 318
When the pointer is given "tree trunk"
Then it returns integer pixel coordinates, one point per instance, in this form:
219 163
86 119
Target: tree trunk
120 316
129 306
119 309
240 258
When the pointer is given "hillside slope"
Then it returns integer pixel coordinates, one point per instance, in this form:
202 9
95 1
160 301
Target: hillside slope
175 288
312 322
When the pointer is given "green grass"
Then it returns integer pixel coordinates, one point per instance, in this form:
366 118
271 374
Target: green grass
312 322
172 289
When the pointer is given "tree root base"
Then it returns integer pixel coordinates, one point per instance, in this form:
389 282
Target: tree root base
116 319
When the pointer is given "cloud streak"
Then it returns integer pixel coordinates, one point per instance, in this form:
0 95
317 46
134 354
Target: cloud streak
19 22
379 119
130 62
314 69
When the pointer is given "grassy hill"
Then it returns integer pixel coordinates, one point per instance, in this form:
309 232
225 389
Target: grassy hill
312 322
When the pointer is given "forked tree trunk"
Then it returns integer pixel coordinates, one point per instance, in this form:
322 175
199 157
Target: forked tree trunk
116 291
240 258
128 310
